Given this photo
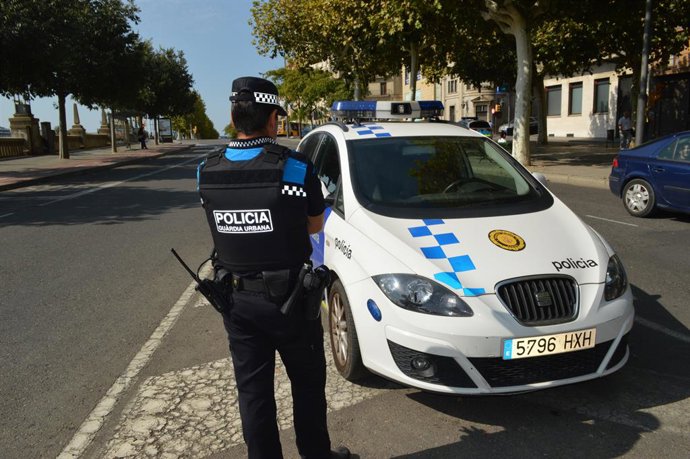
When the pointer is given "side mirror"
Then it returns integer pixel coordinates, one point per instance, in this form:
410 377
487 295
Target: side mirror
541 178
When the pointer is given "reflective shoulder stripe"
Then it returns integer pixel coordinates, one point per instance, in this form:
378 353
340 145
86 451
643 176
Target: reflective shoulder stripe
294 171
242 154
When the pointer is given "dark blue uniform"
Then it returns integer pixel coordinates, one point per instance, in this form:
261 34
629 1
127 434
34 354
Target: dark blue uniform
249 224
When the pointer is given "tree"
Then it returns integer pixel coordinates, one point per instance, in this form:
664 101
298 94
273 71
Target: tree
167 85
58 48
308 32
307 90
196 122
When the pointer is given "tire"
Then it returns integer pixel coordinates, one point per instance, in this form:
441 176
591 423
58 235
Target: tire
638 198
343 335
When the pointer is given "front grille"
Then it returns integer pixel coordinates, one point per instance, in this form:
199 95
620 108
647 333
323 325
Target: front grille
444 370
540 300
518 372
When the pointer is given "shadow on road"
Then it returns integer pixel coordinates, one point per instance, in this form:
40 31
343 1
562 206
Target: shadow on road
601 418
148 196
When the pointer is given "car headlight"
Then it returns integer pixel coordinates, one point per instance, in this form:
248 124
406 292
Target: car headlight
616 279
420 294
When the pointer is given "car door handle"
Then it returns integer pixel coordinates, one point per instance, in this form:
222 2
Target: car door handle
658 169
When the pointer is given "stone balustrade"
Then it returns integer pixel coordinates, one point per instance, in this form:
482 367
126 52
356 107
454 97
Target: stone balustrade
10 146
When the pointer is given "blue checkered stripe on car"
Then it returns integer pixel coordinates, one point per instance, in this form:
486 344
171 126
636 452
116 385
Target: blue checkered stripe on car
371 129
439 243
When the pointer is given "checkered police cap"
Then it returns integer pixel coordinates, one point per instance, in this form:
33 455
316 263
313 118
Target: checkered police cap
256 90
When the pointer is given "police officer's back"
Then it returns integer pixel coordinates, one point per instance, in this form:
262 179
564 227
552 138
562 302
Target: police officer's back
262 201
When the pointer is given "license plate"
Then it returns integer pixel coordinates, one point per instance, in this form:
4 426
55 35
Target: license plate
520 348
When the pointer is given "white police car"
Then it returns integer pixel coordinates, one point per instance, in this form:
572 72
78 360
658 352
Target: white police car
455 269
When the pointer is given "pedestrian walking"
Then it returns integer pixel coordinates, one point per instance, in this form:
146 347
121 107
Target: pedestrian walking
262 201
625 128
141 135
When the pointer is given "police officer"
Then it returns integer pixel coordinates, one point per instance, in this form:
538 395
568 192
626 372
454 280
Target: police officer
262 201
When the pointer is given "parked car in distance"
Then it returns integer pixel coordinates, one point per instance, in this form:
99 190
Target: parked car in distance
654 175
483 127
508 127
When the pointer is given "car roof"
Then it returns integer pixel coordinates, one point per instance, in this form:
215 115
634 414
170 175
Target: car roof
373 130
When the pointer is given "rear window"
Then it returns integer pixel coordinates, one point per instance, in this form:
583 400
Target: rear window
480 125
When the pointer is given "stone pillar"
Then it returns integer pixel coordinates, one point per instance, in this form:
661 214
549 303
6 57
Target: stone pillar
104 129
24 125
48 137
77 128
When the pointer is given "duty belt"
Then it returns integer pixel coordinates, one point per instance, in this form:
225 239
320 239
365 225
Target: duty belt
248 284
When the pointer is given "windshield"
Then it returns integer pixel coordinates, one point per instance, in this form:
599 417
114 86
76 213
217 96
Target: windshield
419 177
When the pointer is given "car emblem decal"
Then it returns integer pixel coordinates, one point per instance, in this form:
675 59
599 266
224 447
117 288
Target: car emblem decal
507 240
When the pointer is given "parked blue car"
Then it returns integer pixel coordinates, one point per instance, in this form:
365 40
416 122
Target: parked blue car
655 175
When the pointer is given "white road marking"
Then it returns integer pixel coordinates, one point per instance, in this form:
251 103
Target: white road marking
6 215
112 184
612 221
95 420
655 326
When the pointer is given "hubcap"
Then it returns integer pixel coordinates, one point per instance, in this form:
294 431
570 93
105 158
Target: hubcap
338 325
637 198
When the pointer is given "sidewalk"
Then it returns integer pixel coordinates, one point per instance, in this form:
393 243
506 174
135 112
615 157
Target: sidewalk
576 161
584 162
31 170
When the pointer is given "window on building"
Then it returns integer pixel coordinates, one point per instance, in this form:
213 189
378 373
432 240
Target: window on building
601 95
553 100
452 86
451 114
575 99
481 111
407 75
383 89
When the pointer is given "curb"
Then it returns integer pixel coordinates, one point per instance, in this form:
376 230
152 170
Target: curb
80 170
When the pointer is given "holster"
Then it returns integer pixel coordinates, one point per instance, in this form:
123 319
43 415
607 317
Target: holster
276 285
315 283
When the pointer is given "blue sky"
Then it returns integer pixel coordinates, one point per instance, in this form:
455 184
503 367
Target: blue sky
216 40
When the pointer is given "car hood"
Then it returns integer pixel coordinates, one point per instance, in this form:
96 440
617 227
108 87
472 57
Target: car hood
472 255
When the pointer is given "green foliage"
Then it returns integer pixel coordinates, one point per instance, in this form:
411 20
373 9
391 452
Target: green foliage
58 47
308 32
195 118
166 84
230 131
308 91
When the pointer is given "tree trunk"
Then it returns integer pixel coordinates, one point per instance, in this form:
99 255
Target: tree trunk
156 133
113 137
414 57
644 75
539 93
512 21
523 85
357 92
64 146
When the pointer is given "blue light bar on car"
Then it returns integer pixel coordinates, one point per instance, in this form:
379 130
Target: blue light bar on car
384 109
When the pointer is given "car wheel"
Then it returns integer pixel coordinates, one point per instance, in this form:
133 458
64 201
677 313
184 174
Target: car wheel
638 198
343 335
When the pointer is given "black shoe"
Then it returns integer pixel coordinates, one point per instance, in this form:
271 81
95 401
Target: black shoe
340 453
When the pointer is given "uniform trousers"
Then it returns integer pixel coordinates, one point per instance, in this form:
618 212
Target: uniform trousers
256 330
